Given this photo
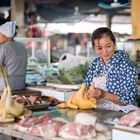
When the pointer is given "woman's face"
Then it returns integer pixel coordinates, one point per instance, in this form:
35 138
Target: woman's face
104 48
3 38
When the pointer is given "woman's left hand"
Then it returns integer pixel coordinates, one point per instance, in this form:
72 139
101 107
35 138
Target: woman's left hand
96 93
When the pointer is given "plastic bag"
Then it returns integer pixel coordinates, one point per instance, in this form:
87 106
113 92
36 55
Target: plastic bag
72 69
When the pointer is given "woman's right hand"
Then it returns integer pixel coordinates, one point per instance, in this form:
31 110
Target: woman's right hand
96 93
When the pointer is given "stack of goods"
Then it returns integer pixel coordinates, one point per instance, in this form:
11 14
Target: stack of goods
35 78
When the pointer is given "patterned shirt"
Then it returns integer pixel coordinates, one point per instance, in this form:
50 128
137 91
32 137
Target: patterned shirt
121 76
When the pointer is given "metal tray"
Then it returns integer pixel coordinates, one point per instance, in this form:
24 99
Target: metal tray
38 107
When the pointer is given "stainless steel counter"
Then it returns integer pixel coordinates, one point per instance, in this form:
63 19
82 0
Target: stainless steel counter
68 114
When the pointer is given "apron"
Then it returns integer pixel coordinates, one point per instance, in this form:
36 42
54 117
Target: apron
1 84
100 82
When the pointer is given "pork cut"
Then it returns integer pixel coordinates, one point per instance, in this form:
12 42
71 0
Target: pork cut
46 130
75 130
26 123
131 119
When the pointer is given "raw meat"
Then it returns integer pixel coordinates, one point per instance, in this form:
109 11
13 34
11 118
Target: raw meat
131 119
9 108
26 123
77 131
46 130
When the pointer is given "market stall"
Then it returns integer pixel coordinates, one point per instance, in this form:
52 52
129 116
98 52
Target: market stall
51 99
42 117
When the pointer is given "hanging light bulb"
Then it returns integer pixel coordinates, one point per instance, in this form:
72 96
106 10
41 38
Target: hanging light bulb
76 10
115 4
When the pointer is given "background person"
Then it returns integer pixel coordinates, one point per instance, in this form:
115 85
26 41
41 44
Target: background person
13 56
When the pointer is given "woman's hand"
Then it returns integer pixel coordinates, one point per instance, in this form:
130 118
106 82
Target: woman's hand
96 93
99 93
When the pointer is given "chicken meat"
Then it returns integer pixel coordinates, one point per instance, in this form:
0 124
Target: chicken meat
10 108
80 100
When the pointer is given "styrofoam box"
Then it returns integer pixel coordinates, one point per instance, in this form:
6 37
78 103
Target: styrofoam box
62 96
125 133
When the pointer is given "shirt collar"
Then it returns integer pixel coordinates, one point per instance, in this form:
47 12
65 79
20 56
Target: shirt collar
119 55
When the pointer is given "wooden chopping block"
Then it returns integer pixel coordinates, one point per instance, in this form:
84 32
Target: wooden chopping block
25 92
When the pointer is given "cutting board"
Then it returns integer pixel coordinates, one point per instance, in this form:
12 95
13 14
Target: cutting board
27 92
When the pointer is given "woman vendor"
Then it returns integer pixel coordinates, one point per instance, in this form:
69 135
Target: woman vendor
13 56
112 72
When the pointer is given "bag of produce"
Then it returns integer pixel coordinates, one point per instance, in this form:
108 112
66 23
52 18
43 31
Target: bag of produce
73 69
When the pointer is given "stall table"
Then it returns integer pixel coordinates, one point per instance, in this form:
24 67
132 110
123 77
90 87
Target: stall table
68 114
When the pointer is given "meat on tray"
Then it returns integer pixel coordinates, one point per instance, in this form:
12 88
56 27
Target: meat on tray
49 127
131 119
34 100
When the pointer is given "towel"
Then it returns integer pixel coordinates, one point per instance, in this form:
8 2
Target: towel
9 28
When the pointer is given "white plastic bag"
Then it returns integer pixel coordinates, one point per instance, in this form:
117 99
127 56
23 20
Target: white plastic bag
68 61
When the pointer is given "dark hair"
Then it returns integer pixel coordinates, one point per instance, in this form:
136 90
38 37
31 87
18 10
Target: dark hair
16 31
99 32
2 20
